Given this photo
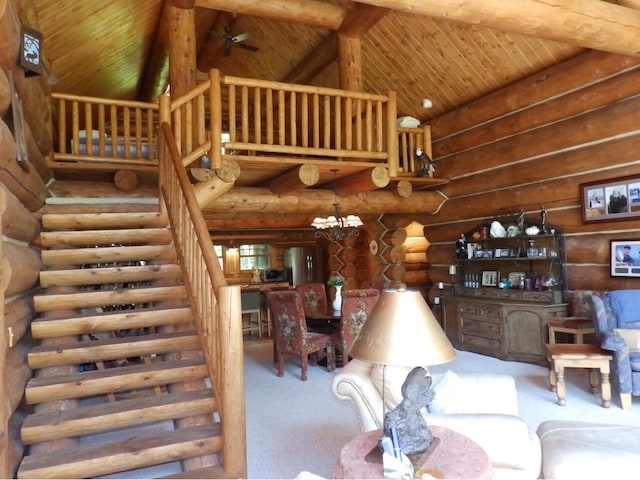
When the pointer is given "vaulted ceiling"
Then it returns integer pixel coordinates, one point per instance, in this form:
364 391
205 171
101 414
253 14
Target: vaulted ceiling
448 51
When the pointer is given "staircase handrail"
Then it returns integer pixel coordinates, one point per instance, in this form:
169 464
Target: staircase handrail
216 306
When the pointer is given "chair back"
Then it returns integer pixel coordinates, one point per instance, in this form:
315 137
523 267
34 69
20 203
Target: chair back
314 298
377 284
356 307
289 324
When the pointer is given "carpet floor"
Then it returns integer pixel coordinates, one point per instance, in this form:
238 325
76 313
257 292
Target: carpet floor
295 426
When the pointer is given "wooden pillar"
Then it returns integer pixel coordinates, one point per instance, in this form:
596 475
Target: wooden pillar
350 63
182 47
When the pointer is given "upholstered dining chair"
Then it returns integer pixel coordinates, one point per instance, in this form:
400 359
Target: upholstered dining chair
314 298
290 333
377 284
356 307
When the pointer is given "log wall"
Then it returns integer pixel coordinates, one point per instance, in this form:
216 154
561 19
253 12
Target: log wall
22 193
532 144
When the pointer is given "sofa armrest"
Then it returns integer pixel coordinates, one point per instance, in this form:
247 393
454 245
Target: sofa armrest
613 342
506 439
353 382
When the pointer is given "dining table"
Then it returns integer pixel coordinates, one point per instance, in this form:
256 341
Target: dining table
324 322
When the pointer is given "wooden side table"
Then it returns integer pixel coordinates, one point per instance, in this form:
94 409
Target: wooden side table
455 456
563 355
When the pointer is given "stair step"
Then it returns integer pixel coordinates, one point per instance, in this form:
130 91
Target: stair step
131 236
110 321
99 298
93 221
47 426
108 275
132 453
106 255
110 380
77 353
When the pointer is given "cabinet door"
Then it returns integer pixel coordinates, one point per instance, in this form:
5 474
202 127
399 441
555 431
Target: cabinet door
450 320
524 333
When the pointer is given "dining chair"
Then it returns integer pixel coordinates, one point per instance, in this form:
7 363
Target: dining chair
290 333
314 298
377 284
356 308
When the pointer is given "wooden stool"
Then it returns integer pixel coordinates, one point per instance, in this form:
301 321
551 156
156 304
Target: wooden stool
567 355
576 326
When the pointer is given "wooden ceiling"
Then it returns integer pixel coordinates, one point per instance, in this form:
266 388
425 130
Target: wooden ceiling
116 49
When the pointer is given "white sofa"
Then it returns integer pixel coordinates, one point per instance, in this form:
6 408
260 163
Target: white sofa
481 406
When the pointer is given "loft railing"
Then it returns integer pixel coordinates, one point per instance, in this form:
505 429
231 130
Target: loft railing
216 306
410 139
103 130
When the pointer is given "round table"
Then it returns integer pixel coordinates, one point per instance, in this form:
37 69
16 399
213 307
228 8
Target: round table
456 456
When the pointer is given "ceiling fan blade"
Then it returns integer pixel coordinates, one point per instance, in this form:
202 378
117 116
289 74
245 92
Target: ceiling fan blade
241 37
247 47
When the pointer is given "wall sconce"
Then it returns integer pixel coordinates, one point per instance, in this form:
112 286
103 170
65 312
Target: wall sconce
232 260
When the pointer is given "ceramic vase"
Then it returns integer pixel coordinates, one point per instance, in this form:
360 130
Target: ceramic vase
337 300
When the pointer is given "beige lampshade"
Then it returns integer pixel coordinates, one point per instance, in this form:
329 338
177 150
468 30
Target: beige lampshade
401 330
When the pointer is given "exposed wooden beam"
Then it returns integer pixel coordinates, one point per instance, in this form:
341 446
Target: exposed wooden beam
361 19
304 176
244 200
156 72
597 25
213 183
182 50
365 181
307 12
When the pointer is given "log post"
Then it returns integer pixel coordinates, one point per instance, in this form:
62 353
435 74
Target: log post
377 177
24 265
17 222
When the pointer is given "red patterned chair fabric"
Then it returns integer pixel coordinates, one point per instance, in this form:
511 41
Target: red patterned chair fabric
379 285
356 307
314 298
290 333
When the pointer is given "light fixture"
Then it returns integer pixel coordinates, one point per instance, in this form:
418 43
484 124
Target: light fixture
336 228
232 260
402 331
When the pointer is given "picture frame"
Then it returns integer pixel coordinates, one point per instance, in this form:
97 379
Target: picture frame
31 51
489 278
501 253
609 200
625 258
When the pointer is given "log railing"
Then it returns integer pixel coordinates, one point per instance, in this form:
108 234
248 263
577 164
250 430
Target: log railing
409 139
216 306
98 129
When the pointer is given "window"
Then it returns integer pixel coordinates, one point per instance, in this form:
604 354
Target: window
251 256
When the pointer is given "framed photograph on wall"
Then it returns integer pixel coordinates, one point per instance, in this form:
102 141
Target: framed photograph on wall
625 258
614 199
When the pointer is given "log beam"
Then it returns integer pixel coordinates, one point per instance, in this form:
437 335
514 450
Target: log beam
308 12
244 200
597 25
214 183
304 176
365 181
17 222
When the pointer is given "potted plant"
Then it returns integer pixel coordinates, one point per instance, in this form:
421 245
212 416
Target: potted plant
337 281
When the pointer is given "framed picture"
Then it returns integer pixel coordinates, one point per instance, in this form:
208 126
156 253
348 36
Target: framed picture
489 278
614 199
625 258
501 253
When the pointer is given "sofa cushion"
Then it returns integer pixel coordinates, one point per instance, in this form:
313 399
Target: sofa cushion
631 337
624 304
394 377
448 394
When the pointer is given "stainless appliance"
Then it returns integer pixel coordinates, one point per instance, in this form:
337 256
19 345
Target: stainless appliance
306 264
274 275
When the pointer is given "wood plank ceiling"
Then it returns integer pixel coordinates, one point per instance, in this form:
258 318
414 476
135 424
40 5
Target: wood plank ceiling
105 48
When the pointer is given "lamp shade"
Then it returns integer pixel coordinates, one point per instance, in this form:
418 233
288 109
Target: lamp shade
401 330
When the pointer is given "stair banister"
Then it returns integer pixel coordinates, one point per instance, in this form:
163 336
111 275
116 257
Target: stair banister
216 306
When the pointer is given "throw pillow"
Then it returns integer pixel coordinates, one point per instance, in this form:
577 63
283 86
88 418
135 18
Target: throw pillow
624 304
630 336
448 393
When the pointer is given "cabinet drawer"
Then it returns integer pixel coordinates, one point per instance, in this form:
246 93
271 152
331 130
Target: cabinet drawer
509 294
478 342
481 327
537 296
484 310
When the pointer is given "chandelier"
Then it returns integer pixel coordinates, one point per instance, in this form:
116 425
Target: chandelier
336 228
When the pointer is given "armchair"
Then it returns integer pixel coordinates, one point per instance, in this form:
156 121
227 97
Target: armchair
616 319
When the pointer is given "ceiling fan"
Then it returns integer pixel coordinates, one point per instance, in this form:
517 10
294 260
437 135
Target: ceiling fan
229 40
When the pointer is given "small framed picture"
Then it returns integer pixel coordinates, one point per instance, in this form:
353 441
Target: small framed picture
625 258
489 278
501 253
613 199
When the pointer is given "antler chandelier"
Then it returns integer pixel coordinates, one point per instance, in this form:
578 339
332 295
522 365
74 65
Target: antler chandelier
336 228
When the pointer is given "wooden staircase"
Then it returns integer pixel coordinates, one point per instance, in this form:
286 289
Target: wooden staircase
120 381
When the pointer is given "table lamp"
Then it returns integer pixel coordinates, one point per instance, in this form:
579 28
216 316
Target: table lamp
402 331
